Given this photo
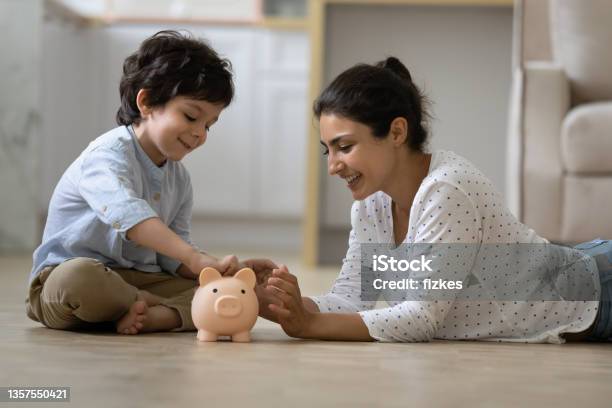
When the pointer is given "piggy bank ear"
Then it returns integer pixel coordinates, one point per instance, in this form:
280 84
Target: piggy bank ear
246 275
208 275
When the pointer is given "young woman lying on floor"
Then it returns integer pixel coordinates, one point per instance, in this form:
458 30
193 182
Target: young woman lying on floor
373 128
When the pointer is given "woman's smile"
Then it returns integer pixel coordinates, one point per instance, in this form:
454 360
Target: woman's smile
352 180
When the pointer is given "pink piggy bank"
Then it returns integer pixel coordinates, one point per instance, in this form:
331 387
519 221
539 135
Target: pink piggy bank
225 306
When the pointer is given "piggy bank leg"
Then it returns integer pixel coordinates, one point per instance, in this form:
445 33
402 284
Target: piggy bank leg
243 337
203 335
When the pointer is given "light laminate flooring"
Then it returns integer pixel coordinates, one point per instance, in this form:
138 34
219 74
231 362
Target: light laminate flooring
174 370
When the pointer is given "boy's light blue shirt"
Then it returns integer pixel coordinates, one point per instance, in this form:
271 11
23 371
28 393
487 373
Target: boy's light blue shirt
112 186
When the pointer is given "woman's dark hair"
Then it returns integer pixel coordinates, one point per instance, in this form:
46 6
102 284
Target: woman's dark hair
170 64
375 95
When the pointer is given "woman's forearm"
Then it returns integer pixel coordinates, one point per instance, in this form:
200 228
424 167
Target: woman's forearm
310 305
299 316
338 326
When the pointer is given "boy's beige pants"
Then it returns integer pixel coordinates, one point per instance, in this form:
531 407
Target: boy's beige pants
82 292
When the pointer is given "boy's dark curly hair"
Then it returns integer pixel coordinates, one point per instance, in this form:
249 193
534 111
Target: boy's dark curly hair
170 64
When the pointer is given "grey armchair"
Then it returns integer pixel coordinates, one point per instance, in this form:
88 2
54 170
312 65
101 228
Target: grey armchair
560 129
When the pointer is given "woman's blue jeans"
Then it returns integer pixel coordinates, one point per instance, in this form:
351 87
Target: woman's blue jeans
601 250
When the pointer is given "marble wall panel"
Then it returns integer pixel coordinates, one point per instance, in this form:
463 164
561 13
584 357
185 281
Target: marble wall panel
20 80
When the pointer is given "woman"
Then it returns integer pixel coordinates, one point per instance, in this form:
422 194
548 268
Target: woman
373 128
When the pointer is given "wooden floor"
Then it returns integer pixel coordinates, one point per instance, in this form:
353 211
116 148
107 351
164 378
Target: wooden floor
174 370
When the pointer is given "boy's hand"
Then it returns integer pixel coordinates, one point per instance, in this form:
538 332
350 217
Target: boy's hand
200 261
228 266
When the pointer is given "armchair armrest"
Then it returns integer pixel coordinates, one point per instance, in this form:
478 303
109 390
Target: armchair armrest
545 102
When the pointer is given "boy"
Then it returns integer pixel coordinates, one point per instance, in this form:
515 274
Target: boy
116 245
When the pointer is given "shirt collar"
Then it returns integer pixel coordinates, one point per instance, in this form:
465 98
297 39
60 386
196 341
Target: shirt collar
156 171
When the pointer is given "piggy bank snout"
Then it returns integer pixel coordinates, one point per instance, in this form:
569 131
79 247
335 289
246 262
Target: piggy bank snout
228 306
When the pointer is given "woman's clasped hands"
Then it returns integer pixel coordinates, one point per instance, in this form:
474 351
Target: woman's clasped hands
290 312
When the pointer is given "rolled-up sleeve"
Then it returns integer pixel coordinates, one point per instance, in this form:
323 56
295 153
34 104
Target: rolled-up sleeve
108 185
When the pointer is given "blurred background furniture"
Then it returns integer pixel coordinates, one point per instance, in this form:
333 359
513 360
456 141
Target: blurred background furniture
559 175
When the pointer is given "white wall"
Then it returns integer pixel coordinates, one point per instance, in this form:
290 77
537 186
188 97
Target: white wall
20 122
460 57
70 100
249 175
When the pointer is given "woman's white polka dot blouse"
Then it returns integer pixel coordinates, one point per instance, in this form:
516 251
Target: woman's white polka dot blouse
455 203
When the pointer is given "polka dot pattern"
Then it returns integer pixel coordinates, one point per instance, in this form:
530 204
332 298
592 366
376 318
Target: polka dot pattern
455 203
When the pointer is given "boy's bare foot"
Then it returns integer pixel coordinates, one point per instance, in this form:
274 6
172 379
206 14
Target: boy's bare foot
161 318
147 315
133 321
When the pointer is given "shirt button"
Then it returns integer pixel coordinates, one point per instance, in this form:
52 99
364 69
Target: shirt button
156 196
116 225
